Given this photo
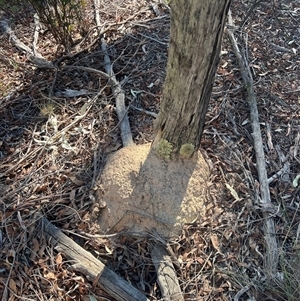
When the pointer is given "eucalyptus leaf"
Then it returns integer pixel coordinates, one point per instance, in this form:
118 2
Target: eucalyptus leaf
232 192
295 182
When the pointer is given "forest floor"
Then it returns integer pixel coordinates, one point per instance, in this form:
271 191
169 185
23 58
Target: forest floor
53 148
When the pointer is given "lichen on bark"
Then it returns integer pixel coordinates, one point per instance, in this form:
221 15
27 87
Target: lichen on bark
187 150
164 149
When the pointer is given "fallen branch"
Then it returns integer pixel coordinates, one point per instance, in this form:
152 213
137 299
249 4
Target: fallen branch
120 99
34 57
271 259
250 11
116 88
36 33
145 111
87 264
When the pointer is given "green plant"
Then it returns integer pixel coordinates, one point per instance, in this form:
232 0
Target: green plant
46 108
289 282
12 7
62 18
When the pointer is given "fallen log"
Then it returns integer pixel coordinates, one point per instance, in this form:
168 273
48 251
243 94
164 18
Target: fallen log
87 264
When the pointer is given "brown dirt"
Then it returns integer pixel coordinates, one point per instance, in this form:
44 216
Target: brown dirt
142 192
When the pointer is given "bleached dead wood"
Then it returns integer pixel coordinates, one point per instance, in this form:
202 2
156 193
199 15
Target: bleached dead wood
116 88
166 276
36 32
97 14
271 258
145 111
87 264
120 99
34 57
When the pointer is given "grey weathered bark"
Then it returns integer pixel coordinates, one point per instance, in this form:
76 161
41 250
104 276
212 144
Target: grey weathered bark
195 42
271 258
88 265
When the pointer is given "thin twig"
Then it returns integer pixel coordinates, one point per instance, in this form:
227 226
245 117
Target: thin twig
145 111
36 33
250 11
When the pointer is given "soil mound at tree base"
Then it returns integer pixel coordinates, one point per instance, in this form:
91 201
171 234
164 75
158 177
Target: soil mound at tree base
141 192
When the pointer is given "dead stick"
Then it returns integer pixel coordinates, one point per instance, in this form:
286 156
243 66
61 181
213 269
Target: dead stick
120 99
35 57
116 88
271 259
250 11
87 264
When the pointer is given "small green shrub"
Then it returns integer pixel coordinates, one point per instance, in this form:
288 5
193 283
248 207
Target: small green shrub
62 18
290 283
12 7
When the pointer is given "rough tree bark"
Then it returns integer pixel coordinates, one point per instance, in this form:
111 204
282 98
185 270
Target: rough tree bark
196 35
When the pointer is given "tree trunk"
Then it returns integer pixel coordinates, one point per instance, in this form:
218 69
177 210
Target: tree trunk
195 42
